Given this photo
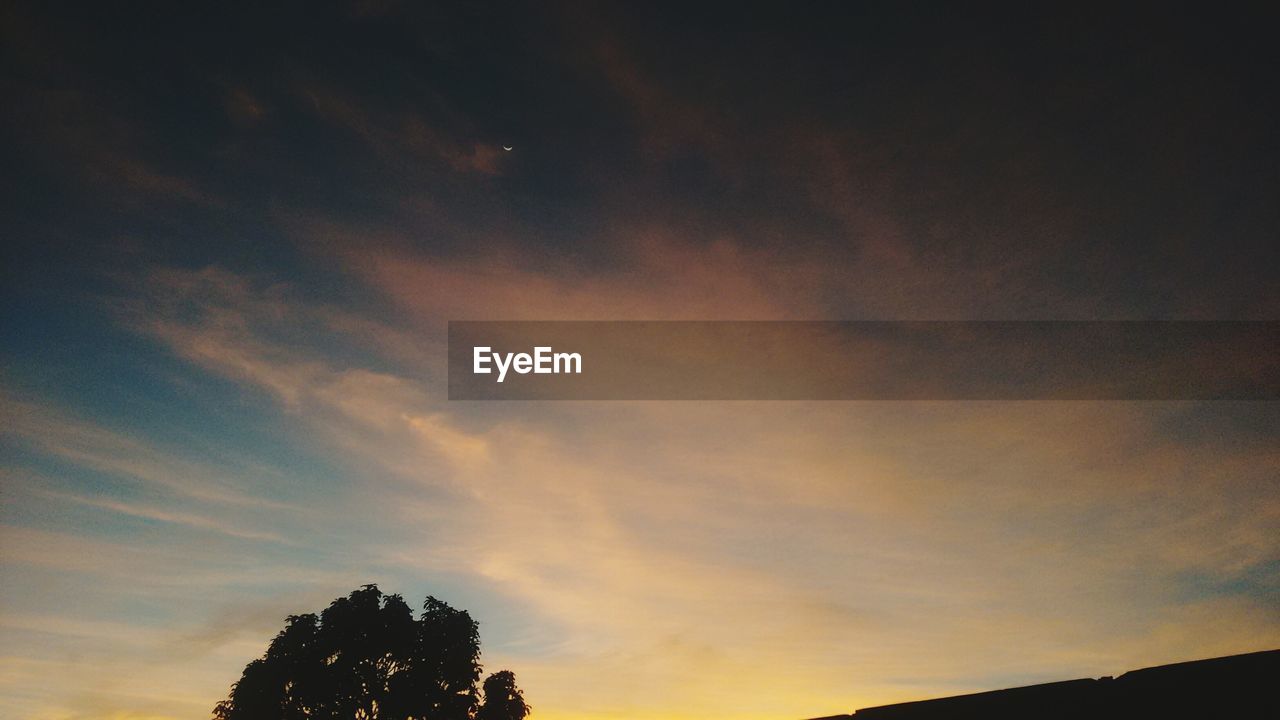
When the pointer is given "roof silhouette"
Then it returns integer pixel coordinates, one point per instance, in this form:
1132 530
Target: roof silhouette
1236 686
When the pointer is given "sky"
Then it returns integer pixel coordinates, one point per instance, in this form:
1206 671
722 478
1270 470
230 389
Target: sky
233 238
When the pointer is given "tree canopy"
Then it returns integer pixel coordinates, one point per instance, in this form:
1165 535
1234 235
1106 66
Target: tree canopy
366 657
502 699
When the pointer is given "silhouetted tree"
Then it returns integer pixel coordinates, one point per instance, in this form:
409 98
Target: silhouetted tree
366 658
502 699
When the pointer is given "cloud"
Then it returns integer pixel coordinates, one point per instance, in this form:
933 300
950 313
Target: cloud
654 277
639 557
59 434
648 560
400 138
151 512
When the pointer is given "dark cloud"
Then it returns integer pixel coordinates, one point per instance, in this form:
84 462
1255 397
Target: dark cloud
1050 163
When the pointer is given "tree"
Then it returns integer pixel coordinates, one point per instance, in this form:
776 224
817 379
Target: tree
502 699
366 658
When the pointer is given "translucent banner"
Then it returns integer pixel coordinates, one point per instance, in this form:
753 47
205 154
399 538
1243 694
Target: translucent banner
891 360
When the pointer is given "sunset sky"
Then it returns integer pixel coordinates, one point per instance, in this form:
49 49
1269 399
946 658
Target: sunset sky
233 239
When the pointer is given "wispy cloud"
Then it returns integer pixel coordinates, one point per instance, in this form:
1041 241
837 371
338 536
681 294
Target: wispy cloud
854 545
151 512
62 435
223 398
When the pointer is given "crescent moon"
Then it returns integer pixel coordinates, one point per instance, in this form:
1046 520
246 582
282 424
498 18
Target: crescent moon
508 148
